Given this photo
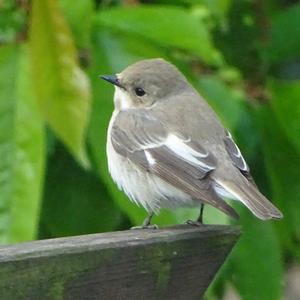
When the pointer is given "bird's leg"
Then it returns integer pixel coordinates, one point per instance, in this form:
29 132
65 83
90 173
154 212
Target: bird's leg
147 220
147 223
200 218
199 221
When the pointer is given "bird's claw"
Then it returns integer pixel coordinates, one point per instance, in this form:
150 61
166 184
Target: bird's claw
154 226
193 223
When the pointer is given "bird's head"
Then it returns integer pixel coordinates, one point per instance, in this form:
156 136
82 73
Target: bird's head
145 83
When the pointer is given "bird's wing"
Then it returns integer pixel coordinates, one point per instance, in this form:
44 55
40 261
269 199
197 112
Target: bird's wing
244 188
235 154
177 160
237 157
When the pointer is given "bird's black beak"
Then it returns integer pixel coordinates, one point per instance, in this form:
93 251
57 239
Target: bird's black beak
112 79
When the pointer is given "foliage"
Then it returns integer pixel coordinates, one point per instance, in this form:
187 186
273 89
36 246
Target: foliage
242 56
62 89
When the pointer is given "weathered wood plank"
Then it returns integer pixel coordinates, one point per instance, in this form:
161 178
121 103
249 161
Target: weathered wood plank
170 263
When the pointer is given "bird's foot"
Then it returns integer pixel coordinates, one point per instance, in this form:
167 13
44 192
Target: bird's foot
193 223
199 221
146 224
150 226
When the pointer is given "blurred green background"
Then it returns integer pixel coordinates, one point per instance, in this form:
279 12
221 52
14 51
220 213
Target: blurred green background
243 56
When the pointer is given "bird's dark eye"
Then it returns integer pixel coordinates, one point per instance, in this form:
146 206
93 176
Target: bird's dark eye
139 92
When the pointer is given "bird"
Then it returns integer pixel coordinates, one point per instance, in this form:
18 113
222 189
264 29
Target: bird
167 148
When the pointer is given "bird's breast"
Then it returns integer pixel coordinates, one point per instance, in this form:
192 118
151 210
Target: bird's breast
142 187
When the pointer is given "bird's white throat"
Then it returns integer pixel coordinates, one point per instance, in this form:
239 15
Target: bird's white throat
121 99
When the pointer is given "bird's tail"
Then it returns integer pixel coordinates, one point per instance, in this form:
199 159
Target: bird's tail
250 196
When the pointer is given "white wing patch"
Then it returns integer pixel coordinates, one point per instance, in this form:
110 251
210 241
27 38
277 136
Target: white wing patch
150 158
179 147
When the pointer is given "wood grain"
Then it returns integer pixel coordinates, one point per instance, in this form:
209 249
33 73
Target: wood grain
170 263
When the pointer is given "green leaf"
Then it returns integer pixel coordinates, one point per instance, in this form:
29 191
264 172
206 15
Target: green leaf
285 35
21 148
79 15
75 201
62 89
168 26
12 21
218 8
256 260
282 161
286 105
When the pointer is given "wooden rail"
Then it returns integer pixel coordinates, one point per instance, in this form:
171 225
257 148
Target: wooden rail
170 263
